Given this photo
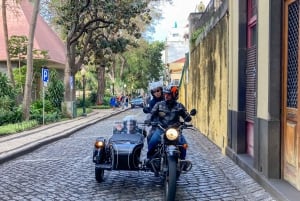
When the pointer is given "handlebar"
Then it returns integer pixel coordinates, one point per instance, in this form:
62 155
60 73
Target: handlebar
182 125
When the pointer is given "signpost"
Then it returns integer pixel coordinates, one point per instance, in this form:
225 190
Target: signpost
45 78
45 75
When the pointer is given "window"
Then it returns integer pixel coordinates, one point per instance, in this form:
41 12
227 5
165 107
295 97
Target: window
251 23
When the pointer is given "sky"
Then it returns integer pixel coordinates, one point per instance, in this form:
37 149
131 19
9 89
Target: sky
179 13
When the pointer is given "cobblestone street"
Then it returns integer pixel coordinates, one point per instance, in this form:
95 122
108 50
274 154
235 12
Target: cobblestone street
64 170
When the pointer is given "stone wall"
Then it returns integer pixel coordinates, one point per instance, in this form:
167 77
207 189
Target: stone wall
206 87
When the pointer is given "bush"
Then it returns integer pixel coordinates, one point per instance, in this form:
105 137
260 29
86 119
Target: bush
79 102
6 102
9 113
10 116
6 89
52 114
106 100
55 90
93 98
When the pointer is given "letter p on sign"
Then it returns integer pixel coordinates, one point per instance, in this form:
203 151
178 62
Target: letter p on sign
45 75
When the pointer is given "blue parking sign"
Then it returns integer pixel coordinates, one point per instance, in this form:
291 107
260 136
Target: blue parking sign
45 74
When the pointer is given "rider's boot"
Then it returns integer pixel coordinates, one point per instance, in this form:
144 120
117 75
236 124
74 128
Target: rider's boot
186 165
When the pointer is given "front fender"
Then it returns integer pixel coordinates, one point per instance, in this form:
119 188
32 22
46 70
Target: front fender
172 151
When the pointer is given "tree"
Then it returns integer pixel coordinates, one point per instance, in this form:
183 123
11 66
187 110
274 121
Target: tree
86 24
5 31
29 72
144 64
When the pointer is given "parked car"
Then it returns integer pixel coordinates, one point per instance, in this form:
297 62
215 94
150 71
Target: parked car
139 101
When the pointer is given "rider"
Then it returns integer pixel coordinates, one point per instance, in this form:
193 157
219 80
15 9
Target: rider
130 125
168 112
157 94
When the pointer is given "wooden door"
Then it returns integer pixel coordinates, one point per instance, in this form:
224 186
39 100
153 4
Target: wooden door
290 103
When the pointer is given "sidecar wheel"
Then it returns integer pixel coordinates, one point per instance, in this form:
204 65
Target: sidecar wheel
99 174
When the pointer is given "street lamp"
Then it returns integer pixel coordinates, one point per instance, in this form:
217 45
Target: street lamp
83 72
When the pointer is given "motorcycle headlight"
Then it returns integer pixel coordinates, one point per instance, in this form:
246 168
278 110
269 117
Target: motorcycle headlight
172 134
99 144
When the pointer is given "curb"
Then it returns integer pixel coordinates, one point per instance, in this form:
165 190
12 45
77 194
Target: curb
25 149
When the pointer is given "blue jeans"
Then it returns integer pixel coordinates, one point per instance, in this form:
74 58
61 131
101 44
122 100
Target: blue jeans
156 139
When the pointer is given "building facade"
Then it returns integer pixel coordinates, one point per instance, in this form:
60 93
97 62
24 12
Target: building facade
242 77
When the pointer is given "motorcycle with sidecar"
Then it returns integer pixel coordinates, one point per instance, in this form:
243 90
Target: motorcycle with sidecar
122 151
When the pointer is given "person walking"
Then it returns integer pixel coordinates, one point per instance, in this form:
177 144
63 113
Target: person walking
112 102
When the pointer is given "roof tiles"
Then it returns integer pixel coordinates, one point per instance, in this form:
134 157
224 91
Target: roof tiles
18 22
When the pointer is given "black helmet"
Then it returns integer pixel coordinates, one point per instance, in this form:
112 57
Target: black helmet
173 90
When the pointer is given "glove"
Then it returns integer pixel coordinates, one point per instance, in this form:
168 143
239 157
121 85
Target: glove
181 113
188 118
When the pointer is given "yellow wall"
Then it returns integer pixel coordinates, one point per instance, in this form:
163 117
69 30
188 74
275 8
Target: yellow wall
263 61
208 84
233 52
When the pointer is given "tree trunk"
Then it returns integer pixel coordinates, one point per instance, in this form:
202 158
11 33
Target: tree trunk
101 84
5 31
29 72
71 68
67 81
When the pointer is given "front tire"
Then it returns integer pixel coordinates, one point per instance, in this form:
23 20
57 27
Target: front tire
99 175
170 181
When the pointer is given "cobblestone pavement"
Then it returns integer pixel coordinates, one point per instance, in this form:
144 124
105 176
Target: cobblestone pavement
64 170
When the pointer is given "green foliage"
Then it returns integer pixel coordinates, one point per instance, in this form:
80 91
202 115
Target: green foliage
18 50
93 98
143 65
6 102
91 79
100 107
10 115
18 127
106 100
55 90
37 107
9 112
51 114
20 78
6 88
87 102
17 47
99 25
79 111
196 34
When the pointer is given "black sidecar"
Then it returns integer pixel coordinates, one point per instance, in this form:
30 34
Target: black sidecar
121 152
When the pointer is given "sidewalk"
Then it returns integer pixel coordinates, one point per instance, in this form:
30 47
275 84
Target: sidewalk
12 146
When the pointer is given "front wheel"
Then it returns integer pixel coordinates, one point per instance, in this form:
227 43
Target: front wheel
170 181
99 174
